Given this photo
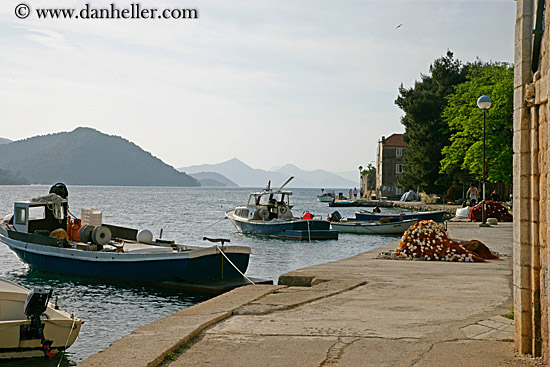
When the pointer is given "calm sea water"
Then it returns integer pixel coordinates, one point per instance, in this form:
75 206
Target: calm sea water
112 310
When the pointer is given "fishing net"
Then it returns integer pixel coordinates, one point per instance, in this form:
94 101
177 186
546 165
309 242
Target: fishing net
428 240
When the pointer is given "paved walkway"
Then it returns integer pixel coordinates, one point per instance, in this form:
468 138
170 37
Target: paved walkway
360 311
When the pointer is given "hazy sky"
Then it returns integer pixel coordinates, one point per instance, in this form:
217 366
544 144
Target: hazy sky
311 83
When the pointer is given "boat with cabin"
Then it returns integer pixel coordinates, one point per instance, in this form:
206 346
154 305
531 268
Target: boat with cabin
269 213
42 235
30 325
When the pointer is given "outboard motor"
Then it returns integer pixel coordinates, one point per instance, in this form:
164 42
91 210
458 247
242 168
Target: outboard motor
60 189
336 217
35 305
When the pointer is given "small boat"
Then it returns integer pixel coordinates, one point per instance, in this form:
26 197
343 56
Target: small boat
30 325
41 235
343 203
436 216
363 227
268 213
327 197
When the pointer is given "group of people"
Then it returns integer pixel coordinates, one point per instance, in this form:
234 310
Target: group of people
354 192
472 195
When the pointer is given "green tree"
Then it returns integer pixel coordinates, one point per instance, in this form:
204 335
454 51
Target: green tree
425 131
465 120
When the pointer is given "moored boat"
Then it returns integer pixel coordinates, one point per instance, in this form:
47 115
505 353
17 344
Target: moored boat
41 235
436 216
326 197
30 325
268 213
364 227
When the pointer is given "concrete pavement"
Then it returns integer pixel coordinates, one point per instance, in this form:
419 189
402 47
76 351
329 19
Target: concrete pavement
361 311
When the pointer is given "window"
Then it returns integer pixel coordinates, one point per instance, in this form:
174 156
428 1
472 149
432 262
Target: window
399 152
399 191
400 168
37 212
20 216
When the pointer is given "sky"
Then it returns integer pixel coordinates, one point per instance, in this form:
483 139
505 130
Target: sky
311 83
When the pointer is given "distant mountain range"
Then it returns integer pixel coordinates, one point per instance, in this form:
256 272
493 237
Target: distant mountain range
87 157
213 179
246 176
5 141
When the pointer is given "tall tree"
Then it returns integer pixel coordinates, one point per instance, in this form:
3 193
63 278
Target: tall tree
425 131
465 119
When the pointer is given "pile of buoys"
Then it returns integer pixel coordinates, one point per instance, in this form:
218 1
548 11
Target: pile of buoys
427 240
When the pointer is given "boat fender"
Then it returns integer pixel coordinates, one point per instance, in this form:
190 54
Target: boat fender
101 235
145 236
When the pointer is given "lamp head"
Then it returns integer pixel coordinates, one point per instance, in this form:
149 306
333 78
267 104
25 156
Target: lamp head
484 102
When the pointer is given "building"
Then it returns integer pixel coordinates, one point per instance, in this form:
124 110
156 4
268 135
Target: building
531 284
389 164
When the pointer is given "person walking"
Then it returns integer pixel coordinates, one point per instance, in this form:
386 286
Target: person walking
355 192
495 196
472 194
350 193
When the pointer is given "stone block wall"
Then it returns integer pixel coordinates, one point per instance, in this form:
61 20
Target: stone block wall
531 186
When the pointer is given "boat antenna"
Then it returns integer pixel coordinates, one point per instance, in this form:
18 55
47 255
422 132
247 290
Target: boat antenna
287 181
268 187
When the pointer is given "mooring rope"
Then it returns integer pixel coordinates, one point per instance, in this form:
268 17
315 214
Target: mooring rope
68 338
213 224
224 255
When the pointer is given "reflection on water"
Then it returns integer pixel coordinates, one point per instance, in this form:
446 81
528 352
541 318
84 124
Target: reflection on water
112 310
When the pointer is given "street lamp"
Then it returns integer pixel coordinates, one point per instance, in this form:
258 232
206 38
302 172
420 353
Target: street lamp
361 180
484 102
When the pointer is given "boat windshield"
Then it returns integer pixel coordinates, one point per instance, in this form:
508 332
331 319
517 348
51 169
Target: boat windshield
268 199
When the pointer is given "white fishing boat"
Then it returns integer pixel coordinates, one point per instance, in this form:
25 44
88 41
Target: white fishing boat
326 197
30 326
268 213
364 227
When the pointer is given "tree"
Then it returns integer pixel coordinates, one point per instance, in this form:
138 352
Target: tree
465 120
425 131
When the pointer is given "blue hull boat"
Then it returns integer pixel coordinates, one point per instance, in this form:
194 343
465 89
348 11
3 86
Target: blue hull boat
301 229
268 213
436 216
49 243
142 265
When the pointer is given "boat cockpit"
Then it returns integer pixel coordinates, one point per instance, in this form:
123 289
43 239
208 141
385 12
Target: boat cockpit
267 205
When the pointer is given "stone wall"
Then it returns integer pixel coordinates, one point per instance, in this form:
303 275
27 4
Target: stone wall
531 186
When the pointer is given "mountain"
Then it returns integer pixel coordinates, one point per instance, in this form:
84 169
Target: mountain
349 175
5 141
86 156
246 176
319 178
213 179
8 178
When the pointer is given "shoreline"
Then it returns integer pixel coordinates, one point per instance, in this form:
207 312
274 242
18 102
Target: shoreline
357 304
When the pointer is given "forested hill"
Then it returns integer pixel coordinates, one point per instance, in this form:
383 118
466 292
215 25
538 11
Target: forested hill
88 157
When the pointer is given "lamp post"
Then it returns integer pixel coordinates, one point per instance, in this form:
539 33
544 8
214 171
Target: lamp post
360 180
484 103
